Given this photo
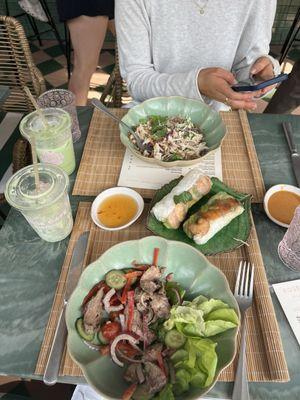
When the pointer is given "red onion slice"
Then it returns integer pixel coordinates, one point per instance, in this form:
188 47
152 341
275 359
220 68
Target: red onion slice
177 295
106 302
169 277
129 359
113 346
122 322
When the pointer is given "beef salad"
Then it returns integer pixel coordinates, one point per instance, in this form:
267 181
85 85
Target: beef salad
144 320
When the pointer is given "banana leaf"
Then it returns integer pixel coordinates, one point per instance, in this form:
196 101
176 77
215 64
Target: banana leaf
229 238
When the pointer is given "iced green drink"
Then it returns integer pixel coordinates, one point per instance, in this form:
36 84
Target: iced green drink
52 136
48 209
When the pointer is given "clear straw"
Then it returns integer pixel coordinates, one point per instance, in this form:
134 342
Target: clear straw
32 139
36 106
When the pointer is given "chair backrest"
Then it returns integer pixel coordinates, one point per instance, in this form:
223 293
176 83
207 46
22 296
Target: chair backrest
17 68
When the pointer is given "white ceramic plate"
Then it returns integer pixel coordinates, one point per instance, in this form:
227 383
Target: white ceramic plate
270 192
109 192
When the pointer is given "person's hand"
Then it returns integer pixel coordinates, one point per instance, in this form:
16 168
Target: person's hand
263 69
216 83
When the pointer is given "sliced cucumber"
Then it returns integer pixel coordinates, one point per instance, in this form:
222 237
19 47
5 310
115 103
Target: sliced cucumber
96 340
115 279
179 355
81 332
174 339
101 338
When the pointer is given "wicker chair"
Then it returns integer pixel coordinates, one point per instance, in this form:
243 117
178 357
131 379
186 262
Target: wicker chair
17 69
112 93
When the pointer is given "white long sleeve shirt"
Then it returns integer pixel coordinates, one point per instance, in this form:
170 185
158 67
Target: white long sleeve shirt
163 44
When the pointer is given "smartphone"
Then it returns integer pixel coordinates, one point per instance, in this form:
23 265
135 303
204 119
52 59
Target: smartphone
251 85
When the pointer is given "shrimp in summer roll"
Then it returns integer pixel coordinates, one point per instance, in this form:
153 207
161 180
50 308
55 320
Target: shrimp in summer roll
172 209
213 216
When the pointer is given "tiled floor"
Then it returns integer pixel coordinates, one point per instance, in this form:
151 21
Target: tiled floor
52 63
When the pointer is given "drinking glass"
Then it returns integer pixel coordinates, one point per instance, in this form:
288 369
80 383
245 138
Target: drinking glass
64 99
289 247
48 209
53 140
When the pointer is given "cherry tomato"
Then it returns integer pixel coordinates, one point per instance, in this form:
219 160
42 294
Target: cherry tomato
110 330
127 349
115 314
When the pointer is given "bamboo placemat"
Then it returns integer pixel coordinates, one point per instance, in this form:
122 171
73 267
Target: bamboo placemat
103 154
265 356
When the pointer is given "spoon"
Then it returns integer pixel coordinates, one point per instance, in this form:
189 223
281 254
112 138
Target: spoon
139 142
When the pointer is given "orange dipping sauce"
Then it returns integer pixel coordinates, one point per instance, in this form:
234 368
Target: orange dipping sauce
282 205
117 210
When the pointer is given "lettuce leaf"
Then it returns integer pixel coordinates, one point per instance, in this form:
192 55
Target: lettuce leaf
210 305
181 315
207 362
200 368
202 317
224 314
195 364
165 394
213 328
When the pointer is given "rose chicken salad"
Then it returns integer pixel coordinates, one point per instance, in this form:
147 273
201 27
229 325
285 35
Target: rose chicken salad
170 138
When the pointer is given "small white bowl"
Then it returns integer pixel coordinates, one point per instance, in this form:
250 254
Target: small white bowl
109 192
271 191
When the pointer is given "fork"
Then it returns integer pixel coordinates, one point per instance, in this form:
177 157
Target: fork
139 142
243 294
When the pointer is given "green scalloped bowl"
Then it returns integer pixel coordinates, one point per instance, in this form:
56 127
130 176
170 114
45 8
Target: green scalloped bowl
191 269
203 116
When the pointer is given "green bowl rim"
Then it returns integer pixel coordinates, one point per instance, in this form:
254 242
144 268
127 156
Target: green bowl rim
169 164
176 243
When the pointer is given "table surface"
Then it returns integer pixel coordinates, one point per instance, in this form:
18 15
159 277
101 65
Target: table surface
30 268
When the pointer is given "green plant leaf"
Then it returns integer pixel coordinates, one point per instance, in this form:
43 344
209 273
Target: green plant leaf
229 238
183 197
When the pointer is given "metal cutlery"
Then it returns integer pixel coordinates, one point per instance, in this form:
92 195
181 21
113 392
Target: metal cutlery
139 142
52 367
243 294
288 131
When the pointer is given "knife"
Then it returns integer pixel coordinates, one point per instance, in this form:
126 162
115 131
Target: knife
53 364
287 127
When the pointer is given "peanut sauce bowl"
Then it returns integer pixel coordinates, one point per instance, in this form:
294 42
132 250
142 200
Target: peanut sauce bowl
275 189
114 193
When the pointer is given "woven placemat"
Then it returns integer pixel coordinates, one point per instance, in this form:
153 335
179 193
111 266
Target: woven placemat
265 356
103 154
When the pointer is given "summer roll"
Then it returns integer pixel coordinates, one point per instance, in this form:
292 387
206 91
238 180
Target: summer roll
172 209
213 216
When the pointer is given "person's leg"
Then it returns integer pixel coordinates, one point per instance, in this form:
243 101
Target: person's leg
111 26
87 36
287 96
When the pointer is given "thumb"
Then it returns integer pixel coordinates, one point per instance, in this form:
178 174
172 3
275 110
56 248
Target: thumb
259 65
226 75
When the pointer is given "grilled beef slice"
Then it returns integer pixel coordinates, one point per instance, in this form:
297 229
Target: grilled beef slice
93 313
